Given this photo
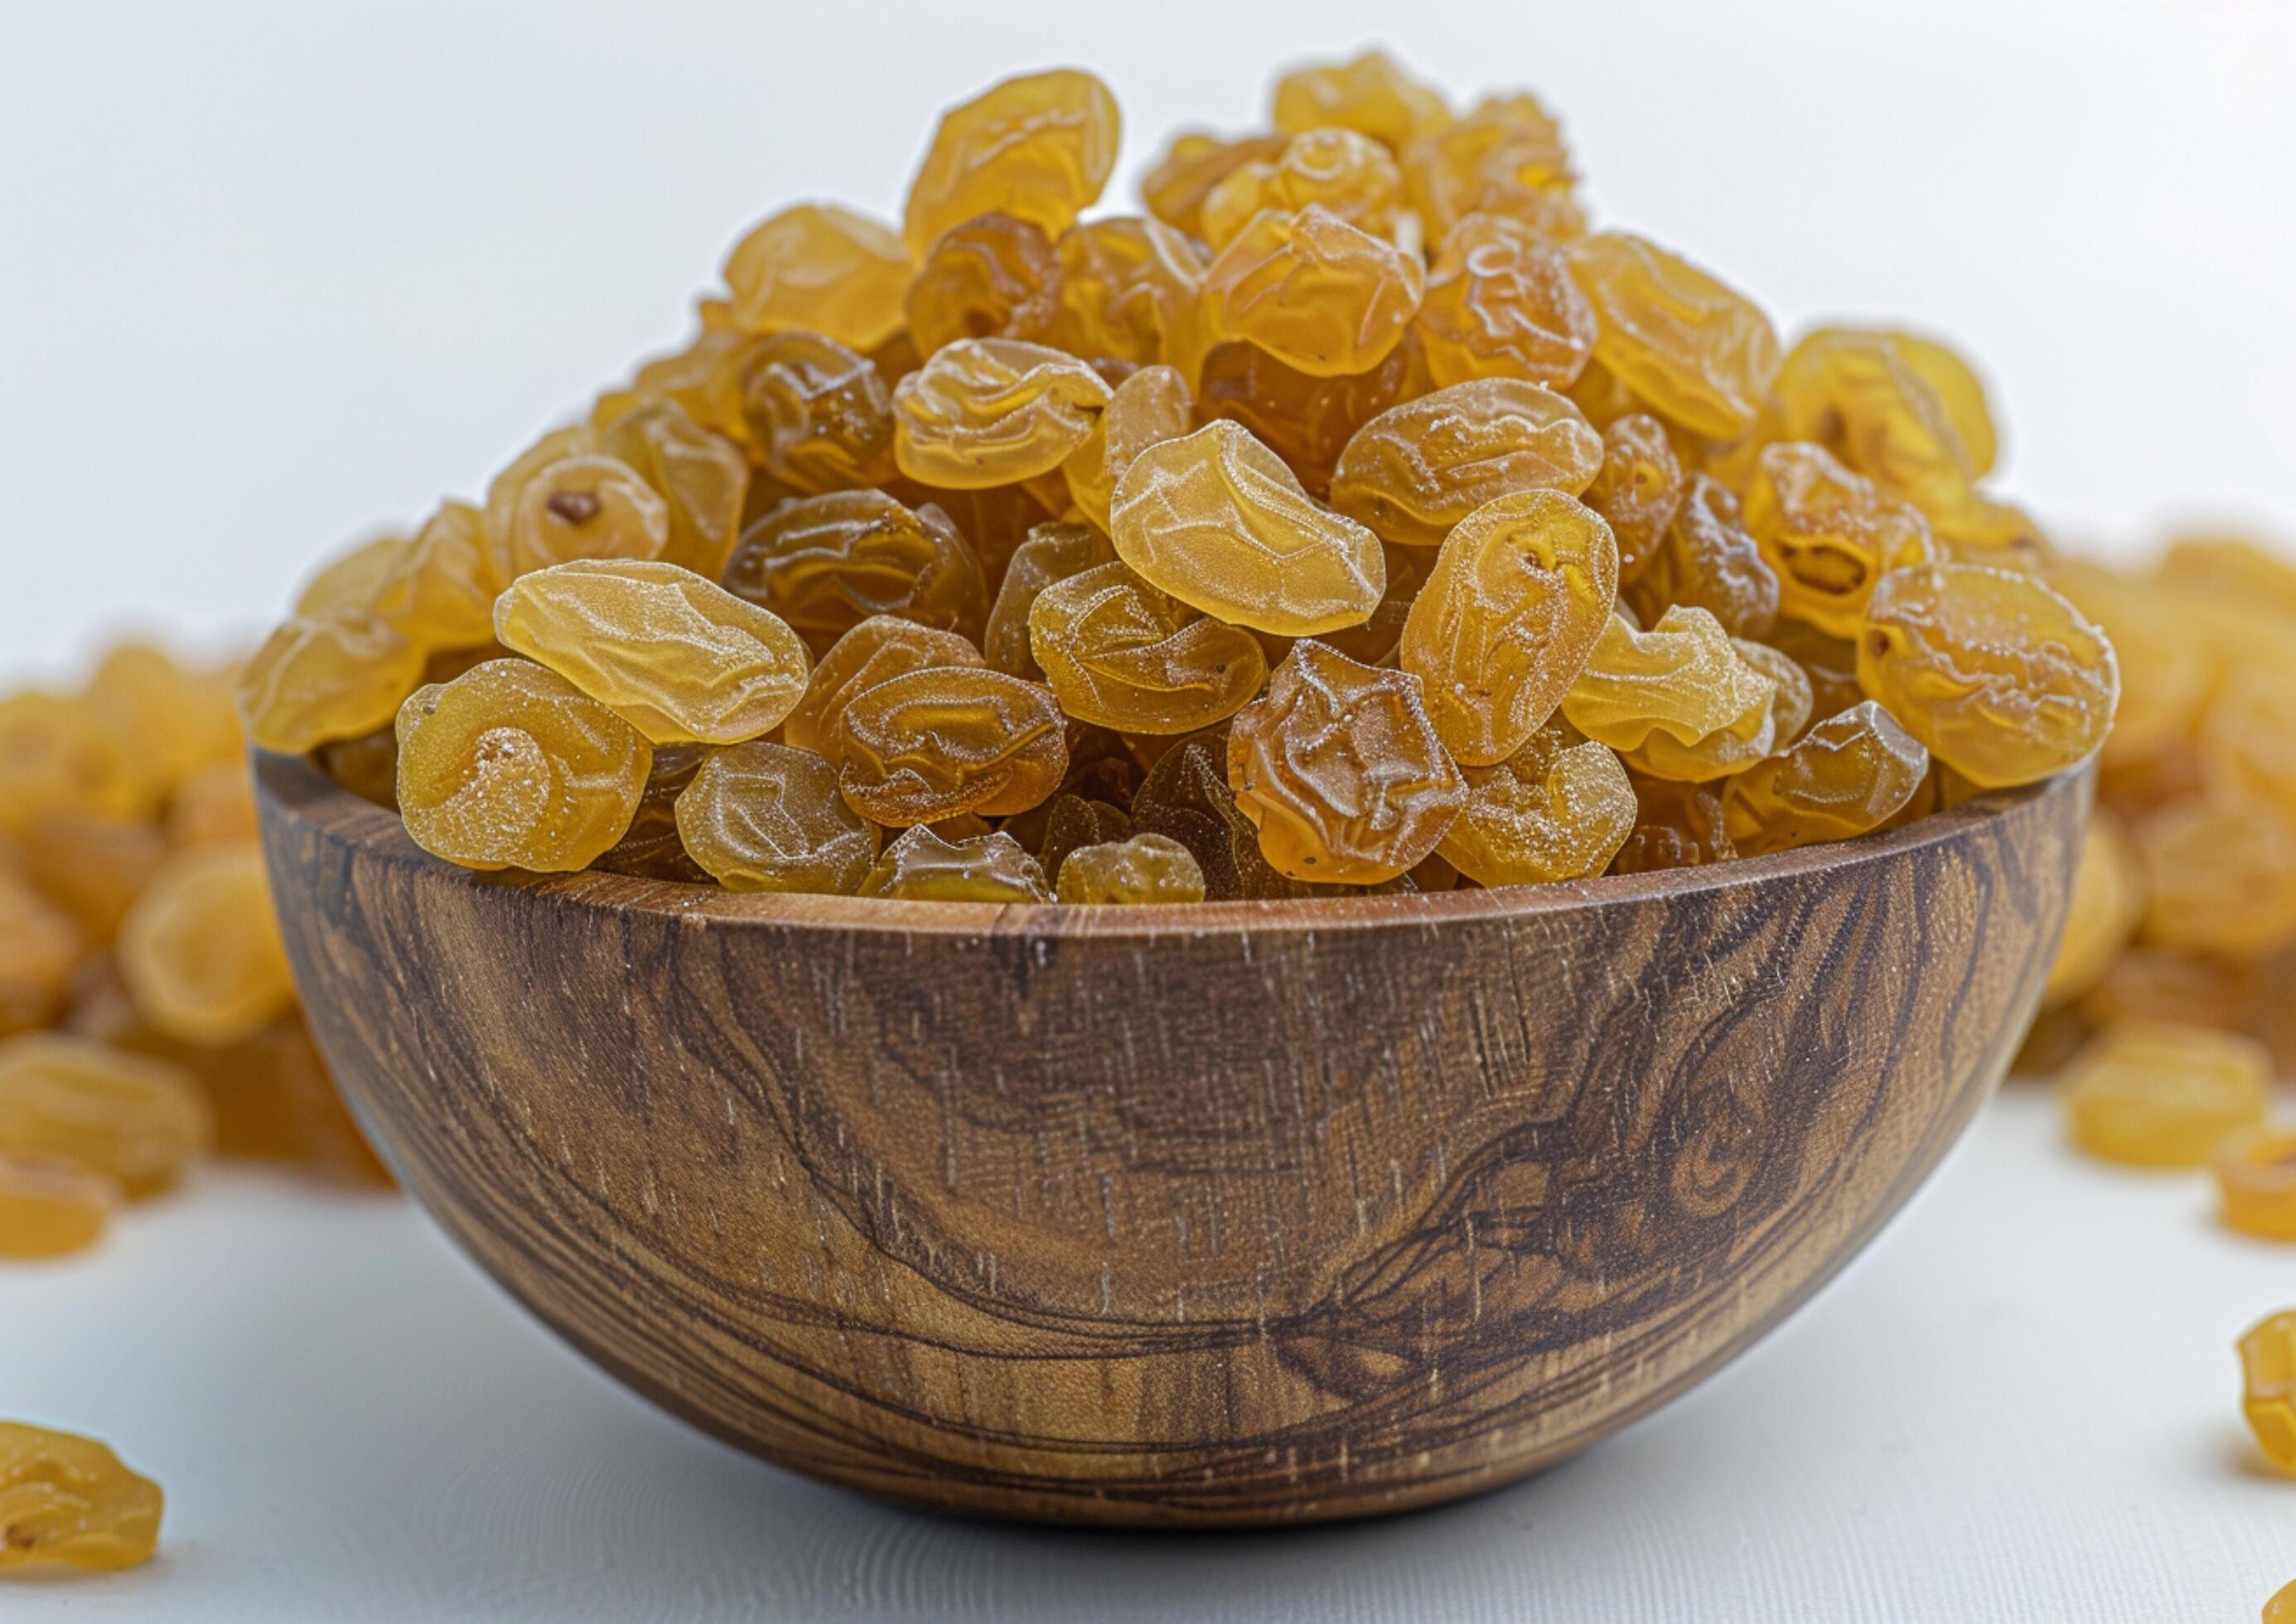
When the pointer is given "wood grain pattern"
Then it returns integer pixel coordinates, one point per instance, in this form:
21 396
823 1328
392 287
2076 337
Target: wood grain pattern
1236 1213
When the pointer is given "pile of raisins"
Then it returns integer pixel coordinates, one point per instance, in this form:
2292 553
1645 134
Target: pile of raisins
147 1014
1356 517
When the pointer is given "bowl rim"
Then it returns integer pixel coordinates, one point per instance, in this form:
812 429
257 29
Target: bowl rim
294 786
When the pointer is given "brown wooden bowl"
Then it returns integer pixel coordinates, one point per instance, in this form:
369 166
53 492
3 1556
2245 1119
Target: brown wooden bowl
1224 1214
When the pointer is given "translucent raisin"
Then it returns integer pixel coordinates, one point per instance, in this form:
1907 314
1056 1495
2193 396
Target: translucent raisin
200 950
1315 292
922 868
2154 1094
137 1119
1699 353
930 744
823 564
1559 807
1039 146
1419 468
992 411
766 818
993 277
821 268
1146 868
68 1499
1119 652
1500 304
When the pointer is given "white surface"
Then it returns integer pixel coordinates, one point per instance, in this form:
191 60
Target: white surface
277 274
2020 1405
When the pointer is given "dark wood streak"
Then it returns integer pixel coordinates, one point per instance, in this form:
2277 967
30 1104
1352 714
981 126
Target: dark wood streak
1236 1213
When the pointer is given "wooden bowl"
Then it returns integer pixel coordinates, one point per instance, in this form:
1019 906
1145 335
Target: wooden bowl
1224 1214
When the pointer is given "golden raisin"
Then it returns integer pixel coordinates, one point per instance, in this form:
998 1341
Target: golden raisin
1217 521
2108 903
137 1120
1349 174
1144 868
51 1205
1146 409
1705 560
1677 824
932 743
1505 157
1313 292
200 950
702 478
1186 797
922 868
511 765
1174 188
1638 490
2003 680
1679 701
1369 94
875 651
2256 1181
2219 875
1340 769
1117 652
1128 290
823 564
1558 809
993 277
581 506
1039 146
317 680
766 818
1507 620
650 848
1853 771
39 945
815 415
2267 1363
1499 303
992 411
1829 534
678 657
1417 469
68 1499
1698 352
822 269
2157 1093
1305 420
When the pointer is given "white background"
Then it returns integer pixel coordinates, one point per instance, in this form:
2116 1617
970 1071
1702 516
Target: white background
271 275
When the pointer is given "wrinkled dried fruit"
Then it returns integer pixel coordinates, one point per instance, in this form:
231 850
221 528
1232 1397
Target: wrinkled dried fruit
1340 769
49 1206
821 268
2156 1094
1117 652
1039 146
993 277
511 765
1698 352
317 680
823 564
1500 304
1313 292
766 818
1705 560
1146 868
678 657
1369 94
138 1120
200 950
1851 773
68 1499
813 414
1830 535
1350 175
875 651
922 868
1418 469
1218 521
1558 809
992 411
1679 701
932 743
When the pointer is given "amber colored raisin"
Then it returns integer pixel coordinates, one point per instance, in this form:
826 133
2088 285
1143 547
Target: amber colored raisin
51 1205
511 765
1119 652
200 950
875 651
39 945
68 1499
1368 93
992 411
921 866
993 277
1704 559
1067 822
317 680
1508 617
2108 905
1186 796
1217 521
2267 1362
1313 292
1340 769
1146 409
1679 701
1305 420
1039 146
1417 469
1144 868
1851 773
138 1119
1349 174
2219 875
821 268
171 719
2003 680
1499 303
1128 290
650 848
1505 157
930 744
1830 662
366 766
57 756
346 584
1174 188
1639 489
94 868
1829 534
677 656
826 563
702 478
1699 353
586 506
813 414
1677 824
2157 1093
766 818
1558 809
2255 1171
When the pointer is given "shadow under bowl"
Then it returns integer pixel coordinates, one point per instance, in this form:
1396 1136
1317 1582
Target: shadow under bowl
1224 1214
